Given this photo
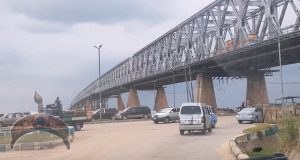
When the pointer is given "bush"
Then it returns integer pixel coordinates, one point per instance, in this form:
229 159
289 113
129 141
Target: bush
288 131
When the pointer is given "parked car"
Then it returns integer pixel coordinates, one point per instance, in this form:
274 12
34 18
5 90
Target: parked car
10 118
106 113
250 114
194 117
166 115
134 112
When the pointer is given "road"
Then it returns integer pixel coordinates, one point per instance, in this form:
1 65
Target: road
141 140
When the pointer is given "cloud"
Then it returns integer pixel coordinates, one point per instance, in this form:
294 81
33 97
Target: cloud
100 11
36 26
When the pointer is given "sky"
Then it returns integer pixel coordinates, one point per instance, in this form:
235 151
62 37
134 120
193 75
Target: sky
47 46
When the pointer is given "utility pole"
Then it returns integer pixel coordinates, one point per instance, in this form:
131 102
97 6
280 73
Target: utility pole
100 98
281 74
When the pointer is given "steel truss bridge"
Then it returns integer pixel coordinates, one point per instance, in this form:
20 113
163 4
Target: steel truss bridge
228 38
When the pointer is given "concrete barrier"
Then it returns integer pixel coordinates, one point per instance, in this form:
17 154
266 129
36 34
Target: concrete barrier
241 139
236 151
242 156
246 138
34 145
2 147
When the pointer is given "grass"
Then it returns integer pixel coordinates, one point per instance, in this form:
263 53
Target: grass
257 128
288 132
264 152
34 137
268 150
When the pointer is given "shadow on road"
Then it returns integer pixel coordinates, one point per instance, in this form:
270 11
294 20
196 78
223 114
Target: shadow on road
198 134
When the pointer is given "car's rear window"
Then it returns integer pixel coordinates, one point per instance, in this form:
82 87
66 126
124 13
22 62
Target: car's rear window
190 110
248 110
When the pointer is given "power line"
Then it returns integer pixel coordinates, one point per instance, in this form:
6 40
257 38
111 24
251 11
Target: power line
182 92
290 83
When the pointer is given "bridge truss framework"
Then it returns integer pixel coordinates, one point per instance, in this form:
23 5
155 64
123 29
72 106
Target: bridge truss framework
219 28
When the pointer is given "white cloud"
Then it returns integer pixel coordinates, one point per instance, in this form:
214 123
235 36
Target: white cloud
101 11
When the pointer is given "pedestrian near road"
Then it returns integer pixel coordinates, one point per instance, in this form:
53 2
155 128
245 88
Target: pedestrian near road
241 107
57 102
58 105
248 105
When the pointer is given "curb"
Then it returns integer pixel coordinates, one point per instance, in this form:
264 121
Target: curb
32 145
236 151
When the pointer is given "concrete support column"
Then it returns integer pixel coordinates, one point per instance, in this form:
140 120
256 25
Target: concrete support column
88 111
160 99
257 93
121 105
87 104
133 98
205 90
104 102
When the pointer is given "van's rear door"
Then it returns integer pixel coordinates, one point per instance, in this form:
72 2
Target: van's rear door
190 115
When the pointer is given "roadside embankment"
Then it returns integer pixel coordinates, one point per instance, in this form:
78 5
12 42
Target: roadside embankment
257 141
37 140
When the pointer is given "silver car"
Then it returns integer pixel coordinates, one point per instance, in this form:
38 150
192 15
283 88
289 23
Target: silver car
166 115
250 114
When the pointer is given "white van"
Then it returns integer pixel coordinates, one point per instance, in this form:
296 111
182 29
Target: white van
194 117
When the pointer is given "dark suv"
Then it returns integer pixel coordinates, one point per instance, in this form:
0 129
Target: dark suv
106 113
134 112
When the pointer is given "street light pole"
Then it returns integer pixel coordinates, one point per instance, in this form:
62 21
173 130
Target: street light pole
281 73
100 100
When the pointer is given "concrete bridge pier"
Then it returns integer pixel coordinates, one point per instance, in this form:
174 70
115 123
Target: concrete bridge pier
133 98
94 105
120 103
160 99
257 93
205 90
104 101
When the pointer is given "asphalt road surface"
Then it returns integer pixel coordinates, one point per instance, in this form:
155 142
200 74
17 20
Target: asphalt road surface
141 140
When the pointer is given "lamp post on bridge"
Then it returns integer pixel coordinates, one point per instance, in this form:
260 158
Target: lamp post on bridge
100 100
